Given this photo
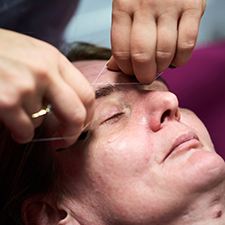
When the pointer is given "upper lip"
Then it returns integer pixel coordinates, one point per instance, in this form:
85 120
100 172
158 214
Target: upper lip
182 139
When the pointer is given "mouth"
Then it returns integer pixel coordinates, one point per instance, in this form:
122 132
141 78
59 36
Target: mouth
184 142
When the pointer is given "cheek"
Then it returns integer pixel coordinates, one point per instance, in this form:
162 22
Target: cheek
119 172
191 120
118 157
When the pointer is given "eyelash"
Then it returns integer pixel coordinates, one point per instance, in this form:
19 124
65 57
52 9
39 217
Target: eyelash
114 118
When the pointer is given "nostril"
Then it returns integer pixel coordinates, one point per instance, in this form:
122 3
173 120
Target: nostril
165 115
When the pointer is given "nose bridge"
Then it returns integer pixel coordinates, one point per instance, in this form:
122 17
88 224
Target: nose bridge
165 100
160 107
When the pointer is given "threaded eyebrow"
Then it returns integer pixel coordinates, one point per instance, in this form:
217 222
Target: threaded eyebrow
106 90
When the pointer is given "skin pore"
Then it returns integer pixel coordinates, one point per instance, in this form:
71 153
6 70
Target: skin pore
144 160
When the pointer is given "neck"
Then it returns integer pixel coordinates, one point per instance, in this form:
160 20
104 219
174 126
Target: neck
207 208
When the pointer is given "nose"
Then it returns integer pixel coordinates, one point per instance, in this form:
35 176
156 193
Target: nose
161 107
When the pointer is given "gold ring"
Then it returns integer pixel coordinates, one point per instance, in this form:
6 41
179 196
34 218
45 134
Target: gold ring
42 112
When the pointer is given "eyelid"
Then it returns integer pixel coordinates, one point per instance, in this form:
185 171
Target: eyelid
114 116
112 109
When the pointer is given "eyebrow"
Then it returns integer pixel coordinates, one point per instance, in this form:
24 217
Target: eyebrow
109 88
106 90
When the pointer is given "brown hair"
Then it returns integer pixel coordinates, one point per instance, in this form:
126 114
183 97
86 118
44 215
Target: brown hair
78 51
31 169
25 170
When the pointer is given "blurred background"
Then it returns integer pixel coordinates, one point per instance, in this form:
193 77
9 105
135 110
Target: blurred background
92 20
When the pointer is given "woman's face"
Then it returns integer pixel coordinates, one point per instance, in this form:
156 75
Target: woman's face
144 158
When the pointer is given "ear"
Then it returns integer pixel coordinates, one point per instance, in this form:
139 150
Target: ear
41 213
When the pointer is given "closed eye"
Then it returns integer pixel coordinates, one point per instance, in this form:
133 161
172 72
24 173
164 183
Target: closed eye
113 118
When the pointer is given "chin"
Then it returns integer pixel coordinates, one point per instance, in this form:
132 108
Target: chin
208 169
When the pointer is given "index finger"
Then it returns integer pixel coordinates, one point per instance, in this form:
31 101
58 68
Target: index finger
80 85
72 100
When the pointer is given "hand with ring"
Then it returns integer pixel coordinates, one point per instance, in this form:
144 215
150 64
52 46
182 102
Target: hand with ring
33 72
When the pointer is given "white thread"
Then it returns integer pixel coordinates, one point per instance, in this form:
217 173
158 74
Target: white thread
59 138
50 139
159 75
100 73
94 83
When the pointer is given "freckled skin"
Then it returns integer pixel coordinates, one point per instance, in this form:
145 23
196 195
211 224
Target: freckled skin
128 175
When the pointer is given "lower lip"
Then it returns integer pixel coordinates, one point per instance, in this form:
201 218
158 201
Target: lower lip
185 146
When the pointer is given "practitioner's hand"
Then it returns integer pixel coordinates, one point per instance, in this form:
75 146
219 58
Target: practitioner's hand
149 35
33 72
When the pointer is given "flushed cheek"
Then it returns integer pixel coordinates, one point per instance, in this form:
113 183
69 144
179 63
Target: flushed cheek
119 157
120 173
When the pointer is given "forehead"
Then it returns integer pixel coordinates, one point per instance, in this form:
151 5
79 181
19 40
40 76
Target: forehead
91 69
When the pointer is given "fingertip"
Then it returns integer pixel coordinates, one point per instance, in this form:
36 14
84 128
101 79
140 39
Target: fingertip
60 141
145 74
112 65
60 149
83 135
22 139
146 79
87 126
172 67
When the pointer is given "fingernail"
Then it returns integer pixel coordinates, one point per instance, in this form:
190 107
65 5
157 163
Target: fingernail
83 135
107 63
172 67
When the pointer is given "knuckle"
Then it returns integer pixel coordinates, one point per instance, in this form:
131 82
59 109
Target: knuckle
164 55
40 70
44 63
141 57
55 54
122 55
119 3
187 45
8 102
24 87
28 88
41 77
198 5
